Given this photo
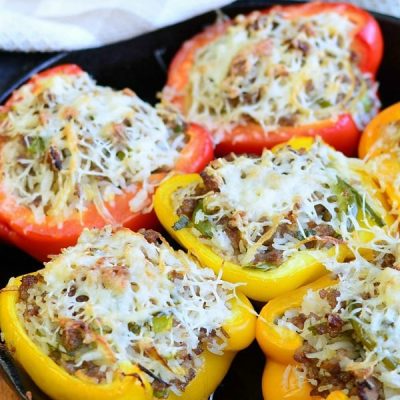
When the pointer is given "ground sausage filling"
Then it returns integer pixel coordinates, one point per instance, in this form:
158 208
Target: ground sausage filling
258 211
123 297
350 330
68 144
275 71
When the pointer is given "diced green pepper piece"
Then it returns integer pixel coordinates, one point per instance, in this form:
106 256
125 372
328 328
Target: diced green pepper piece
36 146
204 227
134 328
178 128
348 197
162 323
324 103
259 267
299 235
367 342
368 104
161 394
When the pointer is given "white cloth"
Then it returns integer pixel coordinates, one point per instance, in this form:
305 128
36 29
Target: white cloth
52 25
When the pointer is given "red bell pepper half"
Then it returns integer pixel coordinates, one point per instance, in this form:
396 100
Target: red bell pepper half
18 227
342 133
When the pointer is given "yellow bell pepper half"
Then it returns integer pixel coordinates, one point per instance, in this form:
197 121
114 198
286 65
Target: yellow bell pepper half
130 382
301 268
382 153
280 381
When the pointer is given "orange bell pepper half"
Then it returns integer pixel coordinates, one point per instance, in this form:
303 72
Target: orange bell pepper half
379 146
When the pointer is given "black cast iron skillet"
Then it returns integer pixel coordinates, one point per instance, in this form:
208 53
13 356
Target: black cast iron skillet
141 64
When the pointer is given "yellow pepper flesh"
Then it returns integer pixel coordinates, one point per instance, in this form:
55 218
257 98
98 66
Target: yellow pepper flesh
129 382
301 268
279 383
260 285
279 344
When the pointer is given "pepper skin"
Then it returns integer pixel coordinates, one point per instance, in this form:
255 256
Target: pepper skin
382 153
341 133
298 270
279 345
130 382
18 227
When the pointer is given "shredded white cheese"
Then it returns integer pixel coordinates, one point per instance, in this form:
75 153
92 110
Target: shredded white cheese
143 303
277 71
368 299
68 143
259 195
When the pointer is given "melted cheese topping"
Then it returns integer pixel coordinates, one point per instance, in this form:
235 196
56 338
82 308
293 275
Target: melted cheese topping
69 143
368 303
137 302
279 72
280 196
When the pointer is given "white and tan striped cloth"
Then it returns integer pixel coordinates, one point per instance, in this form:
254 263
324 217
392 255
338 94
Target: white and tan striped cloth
53 25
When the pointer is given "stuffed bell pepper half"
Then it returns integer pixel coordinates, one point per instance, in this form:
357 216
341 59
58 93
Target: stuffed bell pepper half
337 338
259 79
75 154
380 148
121 315
268 220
